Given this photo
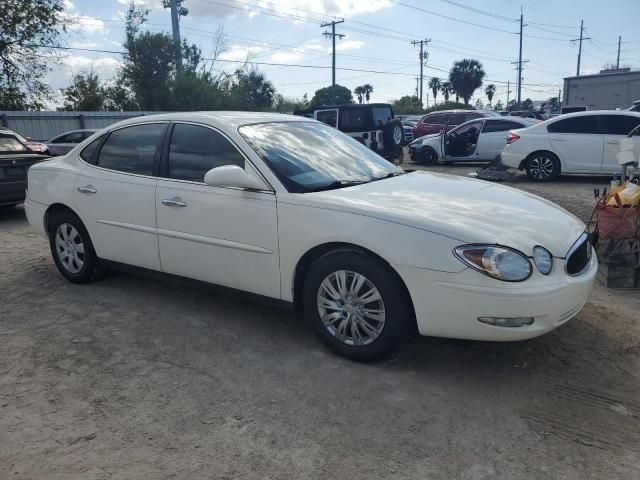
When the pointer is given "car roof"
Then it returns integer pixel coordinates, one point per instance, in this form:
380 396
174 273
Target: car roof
228 118
597 112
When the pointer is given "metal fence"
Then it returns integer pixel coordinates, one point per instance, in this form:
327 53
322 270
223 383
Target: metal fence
44 125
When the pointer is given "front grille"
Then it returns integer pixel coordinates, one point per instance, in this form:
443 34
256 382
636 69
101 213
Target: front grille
579 256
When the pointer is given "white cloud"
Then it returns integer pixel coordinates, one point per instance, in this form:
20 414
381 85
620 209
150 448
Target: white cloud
349 45
77 63
285 57
83 44
240 52
82 23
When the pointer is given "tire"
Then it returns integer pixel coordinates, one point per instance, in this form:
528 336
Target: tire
72 249
428 156
393 136
542 166
350 331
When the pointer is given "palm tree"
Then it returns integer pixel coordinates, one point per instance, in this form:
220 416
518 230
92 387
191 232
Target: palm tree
490 92
435 86
368 90
466 76
446 90
359 92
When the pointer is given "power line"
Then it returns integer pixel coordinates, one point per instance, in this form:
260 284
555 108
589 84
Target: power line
477 10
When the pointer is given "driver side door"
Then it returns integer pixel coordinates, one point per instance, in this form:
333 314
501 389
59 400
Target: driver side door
226 236
460 143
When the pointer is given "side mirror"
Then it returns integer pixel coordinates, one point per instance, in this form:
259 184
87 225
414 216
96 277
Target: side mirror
231 176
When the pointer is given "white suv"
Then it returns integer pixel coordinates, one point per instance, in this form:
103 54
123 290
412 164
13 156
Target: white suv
582 142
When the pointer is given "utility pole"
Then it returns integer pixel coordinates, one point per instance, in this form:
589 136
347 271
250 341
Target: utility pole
580 45
417 87
176 34
618 60
333 36
520 62
422 57
508 92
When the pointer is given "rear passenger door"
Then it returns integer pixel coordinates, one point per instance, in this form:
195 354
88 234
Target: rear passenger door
614 128
578 143
227 236
115 194
493 138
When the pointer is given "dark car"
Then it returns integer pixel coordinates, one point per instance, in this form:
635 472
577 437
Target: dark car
15 160
63 143
374 125
435 122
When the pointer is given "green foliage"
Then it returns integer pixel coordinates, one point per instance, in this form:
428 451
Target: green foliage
119 98
198 91
359 92
479 105
84 93
498 106
288 105
333 95
490 91
527 104
449 106
447 89
466 77
251 91
407 105
435 85
27 27
554 104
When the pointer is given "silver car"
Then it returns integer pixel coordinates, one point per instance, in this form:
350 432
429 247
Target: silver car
63 143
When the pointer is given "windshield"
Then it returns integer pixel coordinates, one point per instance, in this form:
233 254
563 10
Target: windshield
309 157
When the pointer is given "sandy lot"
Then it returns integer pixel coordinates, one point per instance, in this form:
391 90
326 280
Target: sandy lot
136 377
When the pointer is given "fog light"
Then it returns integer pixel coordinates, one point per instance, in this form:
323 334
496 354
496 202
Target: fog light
506 321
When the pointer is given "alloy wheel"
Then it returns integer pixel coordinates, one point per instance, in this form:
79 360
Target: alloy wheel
351 308
541 167
397 135
69 248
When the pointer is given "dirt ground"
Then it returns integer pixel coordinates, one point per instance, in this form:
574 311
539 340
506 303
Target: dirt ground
136 377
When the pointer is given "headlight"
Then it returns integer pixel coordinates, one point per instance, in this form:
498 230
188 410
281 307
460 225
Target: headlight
501 263
543 260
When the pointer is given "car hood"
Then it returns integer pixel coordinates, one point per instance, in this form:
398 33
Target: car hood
469 210
431 136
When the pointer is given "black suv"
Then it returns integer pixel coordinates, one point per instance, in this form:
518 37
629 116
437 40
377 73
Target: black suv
373 124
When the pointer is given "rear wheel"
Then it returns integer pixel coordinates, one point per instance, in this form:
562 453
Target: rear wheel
72 250
542 166
356 305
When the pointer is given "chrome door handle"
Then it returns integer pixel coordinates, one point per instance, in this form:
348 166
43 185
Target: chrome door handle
87 189
174 202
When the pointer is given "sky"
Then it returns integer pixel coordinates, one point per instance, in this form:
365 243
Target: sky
378 35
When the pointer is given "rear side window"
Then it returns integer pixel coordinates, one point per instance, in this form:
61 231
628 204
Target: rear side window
498 126
582 124
457 118
618 124
194 150
471 116
11 144
381 116
89 153
353 119
132 149
73 137
438 118
330 117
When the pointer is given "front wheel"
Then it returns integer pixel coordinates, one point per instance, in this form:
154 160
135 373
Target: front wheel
72 249
542 166
356 305
429 156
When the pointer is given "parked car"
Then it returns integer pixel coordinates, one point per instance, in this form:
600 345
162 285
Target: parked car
372 124
15 160
63 143
582 142
529 114
435 122
635 107
291 209
482 140
36 147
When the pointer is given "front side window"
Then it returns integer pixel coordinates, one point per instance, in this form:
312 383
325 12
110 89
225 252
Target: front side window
437 119
619 124
132 149
309 157
194 150
330 117
581 124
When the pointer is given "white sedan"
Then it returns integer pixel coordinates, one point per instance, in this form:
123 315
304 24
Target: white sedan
478 140
582 142
294 210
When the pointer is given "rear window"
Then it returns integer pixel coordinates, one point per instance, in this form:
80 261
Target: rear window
330 117
582 124
381 116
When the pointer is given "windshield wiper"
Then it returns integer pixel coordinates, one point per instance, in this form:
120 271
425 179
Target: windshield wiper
388 175
338 184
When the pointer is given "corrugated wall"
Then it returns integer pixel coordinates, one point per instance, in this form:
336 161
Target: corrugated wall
44 125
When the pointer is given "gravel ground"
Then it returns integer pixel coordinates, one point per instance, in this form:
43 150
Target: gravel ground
137 377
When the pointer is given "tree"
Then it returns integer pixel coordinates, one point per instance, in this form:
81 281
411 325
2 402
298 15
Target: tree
119 98
527 104
479 105
287 105
334 95
359 92
407 105
498 106
84 94
251 91
490 91
28 31
198 91
553 104
447 89
435 86
466 77
368 90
